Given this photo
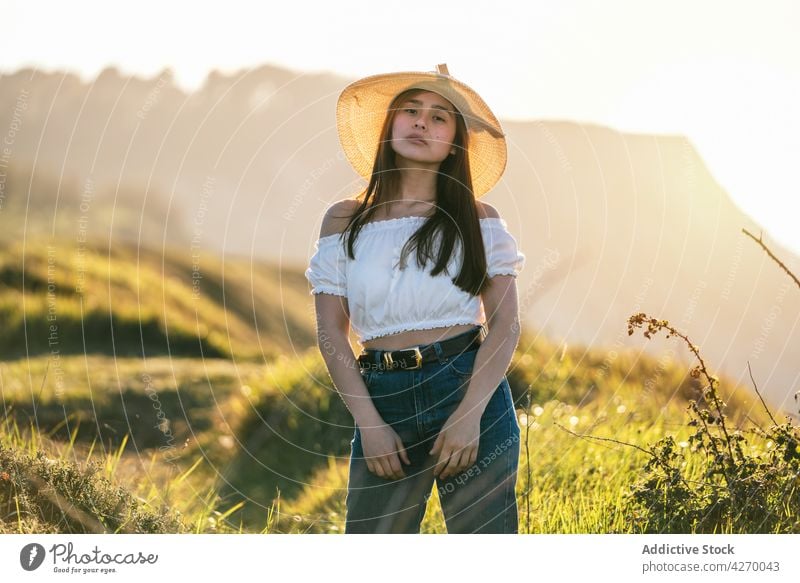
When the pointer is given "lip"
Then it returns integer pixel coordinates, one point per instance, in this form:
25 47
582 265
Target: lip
417 140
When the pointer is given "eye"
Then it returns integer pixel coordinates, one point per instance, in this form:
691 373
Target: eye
439 118
410 110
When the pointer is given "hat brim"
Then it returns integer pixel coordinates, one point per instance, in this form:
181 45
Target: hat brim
362 108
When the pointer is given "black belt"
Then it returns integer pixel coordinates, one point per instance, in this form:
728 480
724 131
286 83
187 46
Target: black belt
414 357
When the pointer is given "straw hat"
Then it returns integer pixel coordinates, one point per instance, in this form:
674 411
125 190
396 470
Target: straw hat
363 106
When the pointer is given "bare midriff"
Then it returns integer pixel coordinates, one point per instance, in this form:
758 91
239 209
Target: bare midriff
412 338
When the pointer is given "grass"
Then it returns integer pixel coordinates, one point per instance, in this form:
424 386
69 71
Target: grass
264 448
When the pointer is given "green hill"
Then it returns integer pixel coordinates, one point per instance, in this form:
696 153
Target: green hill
61 298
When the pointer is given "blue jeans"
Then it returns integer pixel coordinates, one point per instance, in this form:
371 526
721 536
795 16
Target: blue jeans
416 403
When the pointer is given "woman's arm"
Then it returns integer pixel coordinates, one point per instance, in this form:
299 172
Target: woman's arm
497 349
333 325
383 448
457 442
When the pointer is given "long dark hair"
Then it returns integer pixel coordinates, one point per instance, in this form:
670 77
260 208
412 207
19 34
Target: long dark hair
456 214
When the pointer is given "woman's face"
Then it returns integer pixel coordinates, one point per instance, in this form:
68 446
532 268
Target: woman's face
423 129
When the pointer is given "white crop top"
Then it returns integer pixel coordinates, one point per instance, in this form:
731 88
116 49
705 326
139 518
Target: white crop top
384 299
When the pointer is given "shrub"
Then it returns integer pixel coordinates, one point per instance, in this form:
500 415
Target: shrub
742 486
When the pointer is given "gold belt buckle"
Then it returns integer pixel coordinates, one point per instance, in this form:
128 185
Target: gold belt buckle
388 361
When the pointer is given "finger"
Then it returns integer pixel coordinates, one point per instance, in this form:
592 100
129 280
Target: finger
397 469
389 472
453 467
436 445
379 468
473 457
466 459
443 459
461 462
402 450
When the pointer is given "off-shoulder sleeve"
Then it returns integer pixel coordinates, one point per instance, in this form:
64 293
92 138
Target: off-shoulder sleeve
502 255
327 268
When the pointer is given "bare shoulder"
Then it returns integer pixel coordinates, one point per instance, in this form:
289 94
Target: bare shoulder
487 211
337 216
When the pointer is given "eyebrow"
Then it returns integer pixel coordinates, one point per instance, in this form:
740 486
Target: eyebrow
418 102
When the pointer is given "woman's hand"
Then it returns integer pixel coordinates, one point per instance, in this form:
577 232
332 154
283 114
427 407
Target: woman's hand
383 450
457 443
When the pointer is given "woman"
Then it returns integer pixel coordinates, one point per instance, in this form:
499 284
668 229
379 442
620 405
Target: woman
421 269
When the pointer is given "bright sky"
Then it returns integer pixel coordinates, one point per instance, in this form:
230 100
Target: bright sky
724 73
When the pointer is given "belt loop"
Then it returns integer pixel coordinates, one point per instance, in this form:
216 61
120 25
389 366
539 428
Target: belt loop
437 346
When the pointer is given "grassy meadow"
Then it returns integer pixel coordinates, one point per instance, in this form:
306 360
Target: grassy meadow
131 403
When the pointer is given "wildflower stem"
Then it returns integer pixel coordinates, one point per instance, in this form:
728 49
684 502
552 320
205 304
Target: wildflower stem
772 255
755 386
610 439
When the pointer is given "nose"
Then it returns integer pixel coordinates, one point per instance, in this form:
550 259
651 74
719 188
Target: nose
420 121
